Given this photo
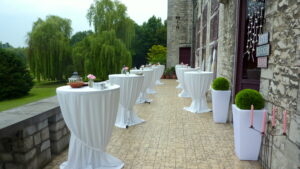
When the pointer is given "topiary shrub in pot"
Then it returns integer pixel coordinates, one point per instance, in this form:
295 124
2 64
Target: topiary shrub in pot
220 99
247 141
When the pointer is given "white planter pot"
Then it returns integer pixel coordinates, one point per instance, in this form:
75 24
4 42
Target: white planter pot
220 104
247 141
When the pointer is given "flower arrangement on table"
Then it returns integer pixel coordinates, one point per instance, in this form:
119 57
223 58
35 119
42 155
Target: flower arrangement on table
91 78
124 70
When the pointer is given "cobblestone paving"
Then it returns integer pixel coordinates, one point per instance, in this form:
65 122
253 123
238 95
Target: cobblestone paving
172 138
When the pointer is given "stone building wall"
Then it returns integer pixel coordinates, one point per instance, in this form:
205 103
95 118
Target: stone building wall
178 36
227 45
226 48
280 81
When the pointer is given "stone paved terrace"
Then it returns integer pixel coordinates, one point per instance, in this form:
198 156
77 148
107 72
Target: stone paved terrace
172 138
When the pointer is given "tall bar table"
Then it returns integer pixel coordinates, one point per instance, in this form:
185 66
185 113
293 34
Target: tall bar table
90 114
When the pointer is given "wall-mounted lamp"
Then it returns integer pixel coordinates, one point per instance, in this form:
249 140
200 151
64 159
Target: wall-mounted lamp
177 21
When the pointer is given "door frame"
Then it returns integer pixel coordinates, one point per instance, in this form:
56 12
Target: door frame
189 57
239 51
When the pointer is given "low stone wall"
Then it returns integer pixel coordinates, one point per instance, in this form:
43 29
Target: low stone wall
30 135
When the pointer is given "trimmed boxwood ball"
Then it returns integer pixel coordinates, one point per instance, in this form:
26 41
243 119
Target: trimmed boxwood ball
220 83
245 98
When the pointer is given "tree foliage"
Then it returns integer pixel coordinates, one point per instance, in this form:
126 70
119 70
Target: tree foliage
107 15
15 80
152 32
157 53
101 54
49 48
79 36
5 45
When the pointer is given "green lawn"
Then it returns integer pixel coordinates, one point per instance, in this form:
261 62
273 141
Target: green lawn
38 92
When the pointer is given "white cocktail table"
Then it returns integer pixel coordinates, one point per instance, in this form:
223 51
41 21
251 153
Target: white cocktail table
130 88
148 74
197 83
161 72
180 76
90 114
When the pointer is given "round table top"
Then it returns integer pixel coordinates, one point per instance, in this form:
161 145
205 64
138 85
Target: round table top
180 65
85 89
197 72
125 76
139 70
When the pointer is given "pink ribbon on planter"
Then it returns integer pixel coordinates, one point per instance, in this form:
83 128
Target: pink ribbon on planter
251 116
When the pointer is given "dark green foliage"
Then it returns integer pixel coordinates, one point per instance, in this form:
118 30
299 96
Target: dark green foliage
152 32
49 51
220 83
245 98
5 45
107 15
170 71
101 54
15 80
79 36
21 53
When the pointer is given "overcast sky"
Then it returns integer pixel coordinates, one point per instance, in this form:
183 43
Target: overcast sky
17 16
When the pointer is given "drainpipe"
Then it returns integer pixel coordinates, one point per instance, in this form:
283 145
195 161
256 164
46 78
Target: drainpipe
192 58
237 8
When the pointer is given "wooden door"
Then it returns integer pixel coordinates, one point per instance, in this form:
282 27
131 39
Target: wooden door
184 55
247 73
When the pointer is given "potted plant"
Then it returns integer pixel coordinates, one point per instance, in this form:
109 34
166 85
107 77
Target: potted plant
247 140
220 99
172 73
167 73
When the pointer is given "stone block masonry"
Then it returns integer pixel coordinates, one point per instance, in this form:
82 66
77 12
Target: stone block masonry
30 135
280 81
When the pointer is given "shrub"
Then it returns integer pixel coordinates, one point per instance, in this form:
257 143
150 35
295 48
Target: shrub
245 98
220 83
172 70
157 53
168 72
15 80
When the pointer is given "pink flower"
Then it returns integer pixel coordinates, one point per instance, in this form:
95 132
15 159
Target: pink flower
91 76
126 68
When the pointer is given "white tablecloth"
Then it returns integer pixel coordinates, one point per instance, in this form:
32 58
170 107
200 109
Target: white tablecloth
130 88
148 74
197 83
90 114
179 86
180 76
155 76
161 72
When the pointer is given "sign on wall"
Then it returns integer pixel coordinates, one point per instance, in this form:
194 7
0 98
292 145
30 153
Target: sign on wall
262 62
263 38
263 50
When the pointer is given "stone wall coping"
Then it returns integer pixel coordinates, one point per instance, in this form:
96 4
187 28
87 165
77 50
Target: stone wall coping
23 116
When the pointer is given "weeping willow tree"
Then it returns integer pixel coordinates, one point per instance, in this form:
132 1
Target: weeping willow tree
107 49
101 54
49 48
106 15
